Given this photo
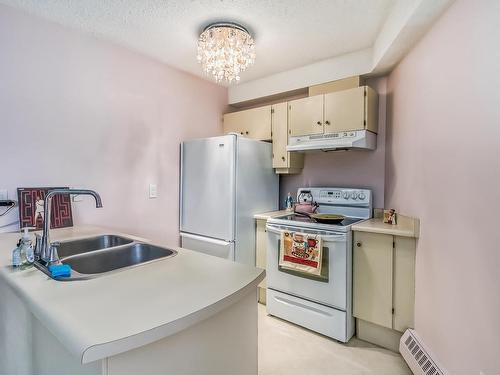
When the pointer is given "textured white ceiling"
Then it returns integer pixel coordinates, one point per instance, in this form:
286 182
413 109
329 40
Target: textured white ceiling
288 33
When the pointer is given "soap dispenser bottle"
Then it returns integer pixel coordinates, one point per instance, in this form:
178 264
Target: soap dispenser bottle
289 202
26 250
16 255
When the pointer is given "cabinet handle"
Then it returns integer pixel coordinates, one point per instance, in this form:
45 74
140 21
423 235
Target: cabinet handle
246 132
319 123
283 158
358 244
241 133
327 122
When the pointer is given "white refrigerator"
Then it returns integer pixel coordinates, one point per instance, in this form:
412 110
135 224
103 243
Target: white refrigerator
224 182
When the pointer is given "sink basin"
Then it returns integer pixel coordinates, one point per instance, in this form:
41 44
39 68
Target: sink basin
98 262
70 248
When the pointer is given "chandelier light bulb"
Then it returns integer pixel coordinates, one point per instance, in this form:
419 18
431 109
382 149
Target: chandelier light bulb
225 50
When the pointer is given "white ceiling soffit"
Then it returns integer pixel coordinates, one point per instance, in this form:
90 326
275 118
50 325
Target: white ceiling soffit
298 42
405 25
288 33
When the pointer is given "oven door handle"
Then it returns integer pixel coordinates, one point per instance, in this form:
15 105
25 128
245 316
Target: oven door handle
331 237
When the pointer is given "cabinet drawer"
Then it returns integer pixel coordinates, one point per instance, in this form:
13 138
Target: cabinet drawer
325 320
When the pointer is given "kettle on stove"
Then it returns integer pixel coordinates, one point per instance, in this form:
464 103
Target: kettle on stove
305 203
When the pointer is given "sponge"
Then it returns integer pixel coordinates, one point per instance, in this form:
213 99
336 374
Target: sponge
60 270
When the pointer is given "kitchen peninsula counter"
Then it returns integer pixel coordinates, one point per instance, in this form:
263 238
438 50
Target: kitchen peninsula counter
116 313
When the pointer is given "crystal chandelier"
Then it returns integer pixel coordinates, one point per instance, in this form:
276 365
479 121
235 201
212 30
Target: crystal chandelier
225 49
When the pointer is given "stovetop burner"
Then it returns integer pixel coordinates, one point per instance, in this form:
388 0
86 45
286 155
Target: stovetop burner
304 219
353 203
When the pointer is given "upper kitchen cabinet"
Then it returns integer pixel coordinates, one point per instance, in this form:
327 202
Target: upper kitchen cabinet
346 110
284 162
253 123
305 116
353 109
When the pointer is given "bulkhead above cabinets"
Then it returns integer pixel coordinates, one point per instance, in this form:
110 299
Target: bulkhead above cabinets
336 120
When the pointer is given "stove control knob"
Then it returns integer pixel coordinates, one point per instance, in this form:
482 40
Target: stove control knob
362 196
345 195
354 195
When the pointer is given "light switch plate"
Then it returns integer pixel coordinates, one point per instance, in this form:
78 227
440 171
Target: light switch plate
4 194
153 191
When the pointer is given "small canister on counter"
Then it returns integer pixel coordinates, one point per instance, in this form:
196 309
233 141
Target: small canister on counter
390 216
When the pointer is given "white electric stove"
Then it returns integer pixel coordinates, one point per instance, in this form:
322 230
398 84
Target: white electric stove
320 303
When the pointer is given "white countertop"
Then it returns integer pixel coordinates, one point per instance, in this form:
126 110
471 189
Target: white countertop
267 215
405 227
121 311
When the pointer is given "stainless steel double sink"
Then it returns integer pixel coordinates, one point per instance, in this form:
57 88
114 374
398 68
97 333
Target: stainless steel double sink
95 256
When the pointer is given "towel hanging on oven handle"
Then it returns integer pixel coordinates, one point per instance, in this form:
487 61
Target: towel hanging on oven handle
331 236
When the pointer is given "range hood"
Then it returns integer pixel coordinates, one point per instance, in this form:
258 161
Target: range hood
350 140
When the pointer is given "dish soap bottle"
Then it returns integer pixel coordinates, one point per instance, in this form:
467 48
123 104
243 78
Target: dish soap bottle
289 202
16 255
26 250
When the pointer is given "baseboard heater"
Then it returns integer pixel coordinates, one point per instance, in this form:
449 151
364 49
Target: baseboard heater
417 356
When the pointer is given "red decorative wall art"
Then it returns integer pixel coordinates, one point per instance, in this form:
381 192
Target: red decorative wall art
31 211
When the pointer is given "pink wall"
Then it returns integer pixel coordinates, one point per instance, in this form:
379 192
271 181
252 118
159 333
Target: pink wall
346 169
443 166
82 112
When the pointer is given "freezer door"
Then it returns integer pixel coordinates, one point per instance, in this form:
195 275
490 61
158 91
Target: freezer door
208 187
210 246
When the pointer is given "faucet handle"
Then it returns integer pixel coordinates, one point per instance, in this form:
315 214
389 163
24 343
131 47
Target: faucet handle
38 246
53 255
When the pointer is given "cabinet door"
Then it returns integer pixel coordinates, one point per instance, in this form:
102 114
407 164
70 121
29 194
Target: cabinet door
260 243
280 136
253 123
404 283
372 282
261 254
345 110
305 116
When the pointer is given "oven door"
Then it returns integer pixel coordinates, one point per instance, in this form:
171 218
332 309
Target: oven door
333 288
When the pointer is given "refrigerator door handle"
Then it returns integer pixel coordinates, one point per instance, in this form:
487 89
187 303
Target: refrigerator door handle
206 239
208 245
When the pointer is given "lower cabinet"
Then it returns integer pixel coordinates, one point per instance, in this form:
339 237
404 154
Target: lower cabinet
261 253
372 284
384 284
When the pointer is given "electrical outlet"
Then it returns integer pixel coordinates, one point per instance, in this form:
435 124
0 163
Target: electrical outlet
153 191
4 194
481 372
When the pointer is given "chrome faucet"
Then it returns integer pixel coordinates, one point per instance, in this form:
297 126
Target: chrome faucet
44 250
